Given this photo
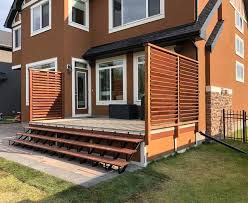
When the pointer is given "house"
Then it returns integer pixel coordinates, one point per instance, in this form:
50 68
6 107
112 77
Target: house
10 80
186 57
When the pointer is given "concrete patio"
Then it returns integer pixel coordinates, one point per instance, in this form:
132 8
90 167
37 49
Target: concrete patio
71 171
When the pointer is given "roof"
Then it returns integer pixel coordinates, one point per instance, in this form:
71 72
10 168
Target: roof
16 7
188 31
5 40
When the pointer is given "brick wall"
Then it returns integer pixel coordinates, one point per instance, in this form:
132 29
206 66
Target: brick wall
215 102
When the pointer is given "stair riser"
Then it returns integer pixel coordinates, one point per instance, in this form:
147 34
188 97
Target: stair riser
96 132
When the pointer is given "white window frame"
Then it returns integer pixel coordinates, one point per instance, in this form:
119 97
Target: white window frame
74 60
243 67
241 29
135 77
237 38
86 86
28 66
49 27
13 36
76 25
113 29
98 62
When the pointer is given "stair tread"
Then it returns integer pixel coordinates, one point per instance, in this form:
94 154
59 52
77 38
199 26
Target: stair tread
84 134
83 155
82 144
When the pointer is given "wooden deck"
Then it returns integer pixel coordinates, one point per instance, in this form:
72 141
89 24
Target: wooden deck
135 127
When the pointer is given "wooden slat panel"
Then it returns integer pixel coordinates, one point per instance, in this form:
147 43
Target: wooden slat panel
46 95
173 88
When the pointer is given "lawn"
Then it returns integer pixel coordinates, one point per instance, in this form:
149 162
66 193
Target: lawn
209 173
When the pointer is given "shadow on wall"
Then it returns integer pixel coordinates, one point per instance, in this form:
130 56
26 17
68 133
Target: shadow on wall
10 90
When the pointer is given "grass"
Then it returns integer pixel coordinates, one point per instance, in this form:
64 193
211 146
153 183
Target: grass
8 120
210 173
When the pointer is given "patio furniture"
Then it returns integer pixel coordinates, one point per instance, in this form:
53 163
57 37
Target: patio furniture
125 111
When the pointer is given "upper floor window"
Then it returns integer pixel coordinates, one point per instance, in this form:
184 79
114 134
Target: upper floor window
239 46
17 38
240 75
79 14
41 17
129 13
239 22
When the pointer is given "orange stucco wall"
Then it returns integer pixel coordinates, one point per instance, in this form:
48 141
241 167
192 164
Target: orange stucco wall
222 60
167 141
65 42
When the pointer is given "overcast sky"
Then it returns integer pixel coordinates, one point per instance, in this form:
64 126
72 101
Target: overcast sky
4 10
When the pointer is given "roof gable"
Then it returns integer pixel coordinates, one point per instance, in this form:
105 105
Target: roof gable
15 8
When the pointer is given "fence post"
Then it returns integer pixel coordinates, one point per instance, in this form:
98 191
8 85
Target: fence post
224 124
244 126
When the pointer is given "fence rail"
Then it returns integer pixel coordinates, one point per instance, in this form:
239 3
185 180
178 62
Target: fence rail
235 125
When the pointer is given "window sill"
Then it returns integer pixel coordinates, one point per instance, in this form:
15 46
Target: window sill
138 103
81 27
40 31
240 30
136 23
240 81
240 55
17 49
106 103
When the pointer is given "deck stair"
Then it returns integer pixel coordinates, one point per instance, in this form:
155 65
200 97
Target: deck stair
113 151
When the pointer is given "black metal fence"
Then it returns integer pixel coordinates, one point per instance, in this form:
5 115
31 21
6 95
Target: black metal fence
235 125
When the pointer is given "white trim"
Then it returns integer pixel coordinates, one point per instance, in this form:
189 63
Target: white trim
16 67
41 30
134 23
214 89
135 77
243 44
13 37
29 4
74 24
243 67
37 64
236 9
73 88
98 62
17 22
241 29
86 90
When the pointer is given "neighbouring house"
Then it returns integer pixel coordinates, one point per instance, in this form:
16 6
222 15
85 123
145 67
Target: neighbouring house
10 80
88 62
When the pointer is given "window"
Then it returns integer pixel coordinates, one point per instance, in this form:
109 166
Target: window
239 46
17 38
128 13
139 77
240 72
239 22
111 81
48 65
41 17
79 14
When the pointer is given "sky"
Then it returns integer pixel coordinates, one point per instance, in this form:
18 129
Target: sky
4 10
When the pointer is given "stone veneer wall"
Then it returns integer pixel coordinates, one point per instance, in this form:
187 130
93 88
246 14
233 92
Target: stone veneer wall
216 102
